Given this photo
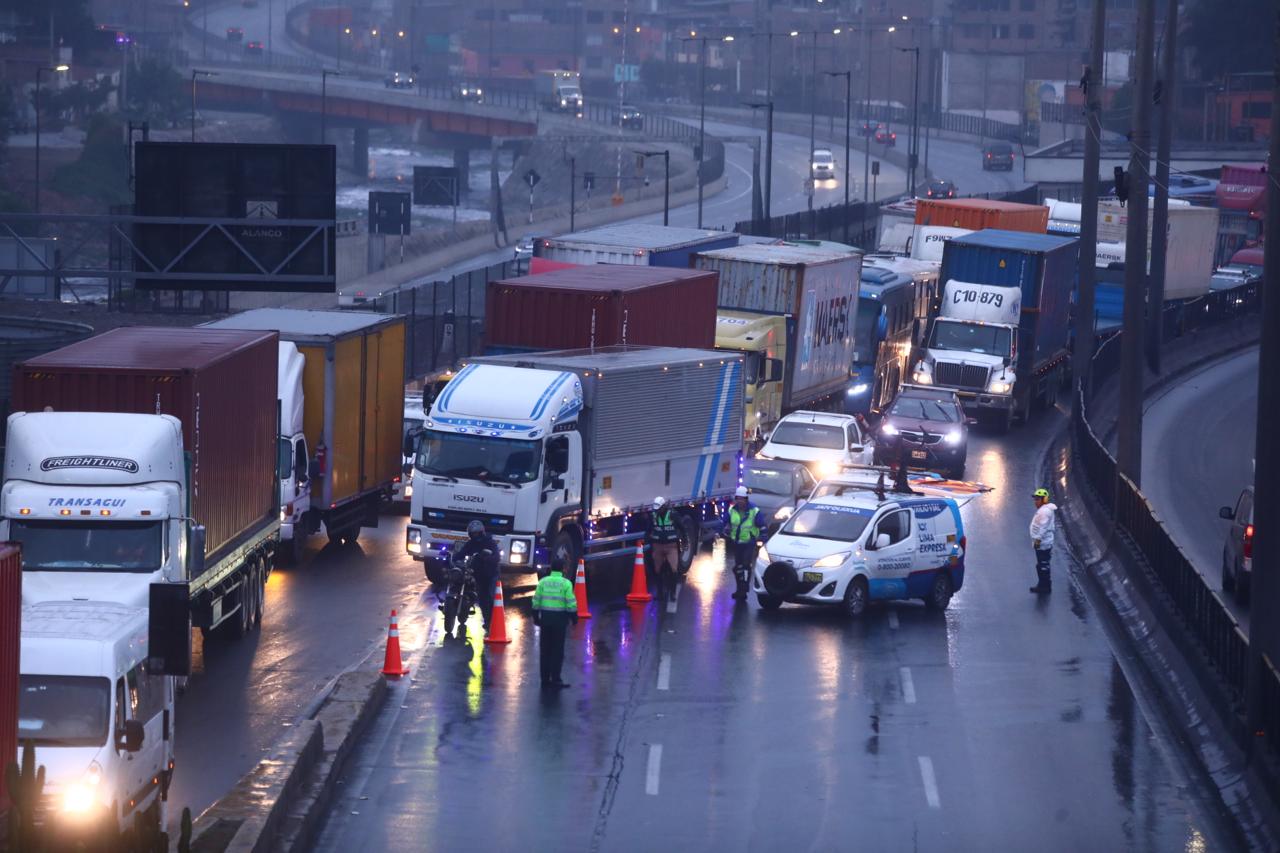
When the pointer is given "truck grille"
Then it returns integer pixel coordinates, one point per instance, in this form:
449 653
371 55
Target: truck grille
961 375
456 519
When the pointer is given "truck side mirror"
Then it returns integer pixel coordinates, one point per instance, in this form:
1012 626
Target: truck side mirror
410 444
1227 512
195 551
169 629
773 370
313 469
131 737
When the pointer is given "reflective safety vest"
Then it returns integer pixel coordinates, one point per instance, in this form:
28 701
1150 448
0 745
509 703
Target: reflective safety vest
743 528
555 593
664 527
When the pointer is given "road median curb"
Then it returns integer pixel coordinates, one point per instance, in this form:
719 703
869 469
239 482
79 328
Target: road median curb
280 803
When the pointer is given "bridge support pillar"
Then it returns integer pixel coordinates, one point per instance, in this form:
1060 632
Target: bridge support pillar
360 151
462 163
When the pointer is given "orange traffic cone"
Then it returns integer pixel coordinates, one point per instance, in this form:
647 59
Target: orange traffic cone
639 585
392 664
580 591
498 619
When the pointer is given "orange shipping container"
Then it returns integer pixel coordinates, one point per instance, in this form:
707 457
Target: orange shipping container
976 214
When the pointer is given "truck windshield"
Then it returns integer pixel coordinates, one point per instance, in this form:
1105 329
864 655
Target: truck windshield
74 546
809 435
818 521
478 457
864 331
972 337
63 710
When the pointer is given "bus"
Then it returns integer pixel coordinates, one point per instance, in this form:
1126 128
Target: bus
897 298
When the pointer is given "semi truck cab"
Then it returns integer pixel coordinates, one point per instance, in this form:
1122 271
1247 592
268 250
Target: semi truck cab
762 338
972 346
499 445
98 502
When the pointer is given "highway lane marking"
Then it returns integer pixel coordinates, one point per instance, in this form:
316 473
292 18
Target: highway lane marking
893 619
930 782
654 769
908 685
664 672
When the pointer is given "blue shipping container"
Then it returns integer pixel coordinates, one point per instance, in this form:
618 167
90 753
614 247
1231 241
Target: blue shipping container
1044 266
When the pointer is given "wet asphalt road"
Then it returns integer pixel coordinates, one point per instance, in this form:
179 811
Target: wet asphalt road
1198 440
1005 724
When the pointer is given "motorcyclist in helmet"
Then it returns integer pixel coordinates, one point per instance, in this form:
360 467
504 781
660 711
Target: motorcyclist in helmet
485 566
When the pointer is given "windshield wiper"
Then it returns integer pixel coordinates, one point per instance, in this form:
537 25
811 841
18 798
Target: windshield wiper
498 484
436 472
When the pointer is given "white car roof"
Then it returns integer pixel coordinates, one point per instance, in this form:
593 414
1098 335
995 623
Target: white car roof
819 418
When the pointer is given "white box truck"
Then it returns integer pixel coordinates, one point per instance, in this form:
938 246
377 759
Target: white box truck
100 720
560 91
555 452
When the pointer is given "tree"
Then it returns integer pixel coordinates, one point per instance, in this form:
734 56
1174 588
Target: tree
72 23
1226 38
157 93
102 170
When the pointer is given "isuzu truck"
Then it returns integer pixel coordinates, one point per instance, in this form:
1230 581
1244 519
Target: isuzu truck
558 452
1000 339
147 455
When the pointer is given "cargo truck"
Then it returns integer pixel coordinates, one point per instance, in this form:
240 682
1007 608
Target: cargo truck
559 91
975 214
101 720
1000 339
633 245
10 628
585 307
791 308
147 455
337 471
557 452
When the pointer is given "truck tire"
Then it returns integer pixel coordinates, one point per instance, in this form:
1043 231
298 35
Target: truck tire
259 593
689 531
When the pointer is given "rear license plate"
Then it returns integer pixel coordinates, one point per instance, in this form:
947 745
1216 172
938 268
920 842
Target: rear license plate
919 454
812 577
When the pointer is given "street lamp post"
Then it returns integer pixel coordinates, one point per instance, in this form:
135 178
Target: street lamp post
196 72
848 100
325 74
346 31
702 107
56 69
666 181
913 154
767 106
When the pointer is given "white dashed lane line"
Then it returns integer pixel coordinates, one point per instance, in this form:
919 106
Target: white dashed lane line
893 619
664 672
930 781
908 685
654 770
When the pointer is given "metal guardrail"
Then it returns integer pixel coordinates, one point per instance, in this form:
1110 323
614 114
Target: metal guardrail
1199 606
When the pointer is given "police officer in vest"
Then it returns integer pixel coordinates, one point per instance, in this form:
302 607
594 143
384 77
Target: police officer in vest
554 610
664 548
743 535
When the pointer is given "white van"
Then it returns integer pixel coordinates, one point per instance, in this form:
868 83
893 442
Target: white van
848 549
102 725
826 442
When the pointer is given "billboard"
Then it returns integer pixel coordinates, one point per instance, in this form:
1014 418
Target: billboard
234 216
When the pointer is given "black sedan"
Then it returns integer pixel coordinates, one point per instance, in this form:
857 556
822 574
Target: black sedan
776 488
940 189
630 117
926 428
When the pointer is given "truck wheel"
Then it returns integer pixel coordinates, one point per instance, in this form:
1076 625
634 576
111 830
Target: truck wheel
259 594
689 532
568 547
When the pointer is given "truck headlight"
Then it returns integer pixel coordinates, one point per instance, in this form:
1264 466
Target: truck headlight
519 552
413 540
826 468
888 429
80 797
858 390
563 102
832 561
999 386
953 437
920 377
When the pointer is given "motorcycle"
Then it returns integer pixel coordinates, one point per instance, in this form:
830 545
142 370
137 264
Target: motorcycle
461 594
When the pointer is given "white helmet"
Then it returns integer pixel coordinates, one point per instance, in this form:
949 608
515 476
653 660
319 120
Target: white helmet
741 492
659 502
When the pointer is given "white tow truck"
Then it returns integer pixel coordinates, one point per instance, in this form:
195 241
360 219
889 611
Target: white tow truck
557 453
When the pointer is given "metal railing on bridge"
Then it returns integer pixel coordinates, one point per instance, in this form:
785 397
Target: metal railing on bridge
1202 611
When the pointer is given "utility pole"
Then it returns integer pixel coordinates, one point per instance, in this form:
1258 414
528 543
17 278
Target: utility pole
1264 636
573 194
866 114
1085 319
702 118
1160 215
848 101
913 141
1129 447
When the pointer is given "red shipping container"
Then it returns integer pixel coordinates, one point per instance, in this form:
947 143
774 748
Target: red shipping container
221 383
602 305
976 214
10 637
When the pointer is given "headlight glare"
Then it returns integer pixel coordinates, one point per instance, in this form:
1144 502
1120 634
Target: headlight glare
832 561
888 429
953 437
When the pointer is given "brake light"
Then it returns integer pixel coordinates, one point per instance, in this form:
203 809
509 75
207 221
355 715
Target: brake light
1248 541
988 155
